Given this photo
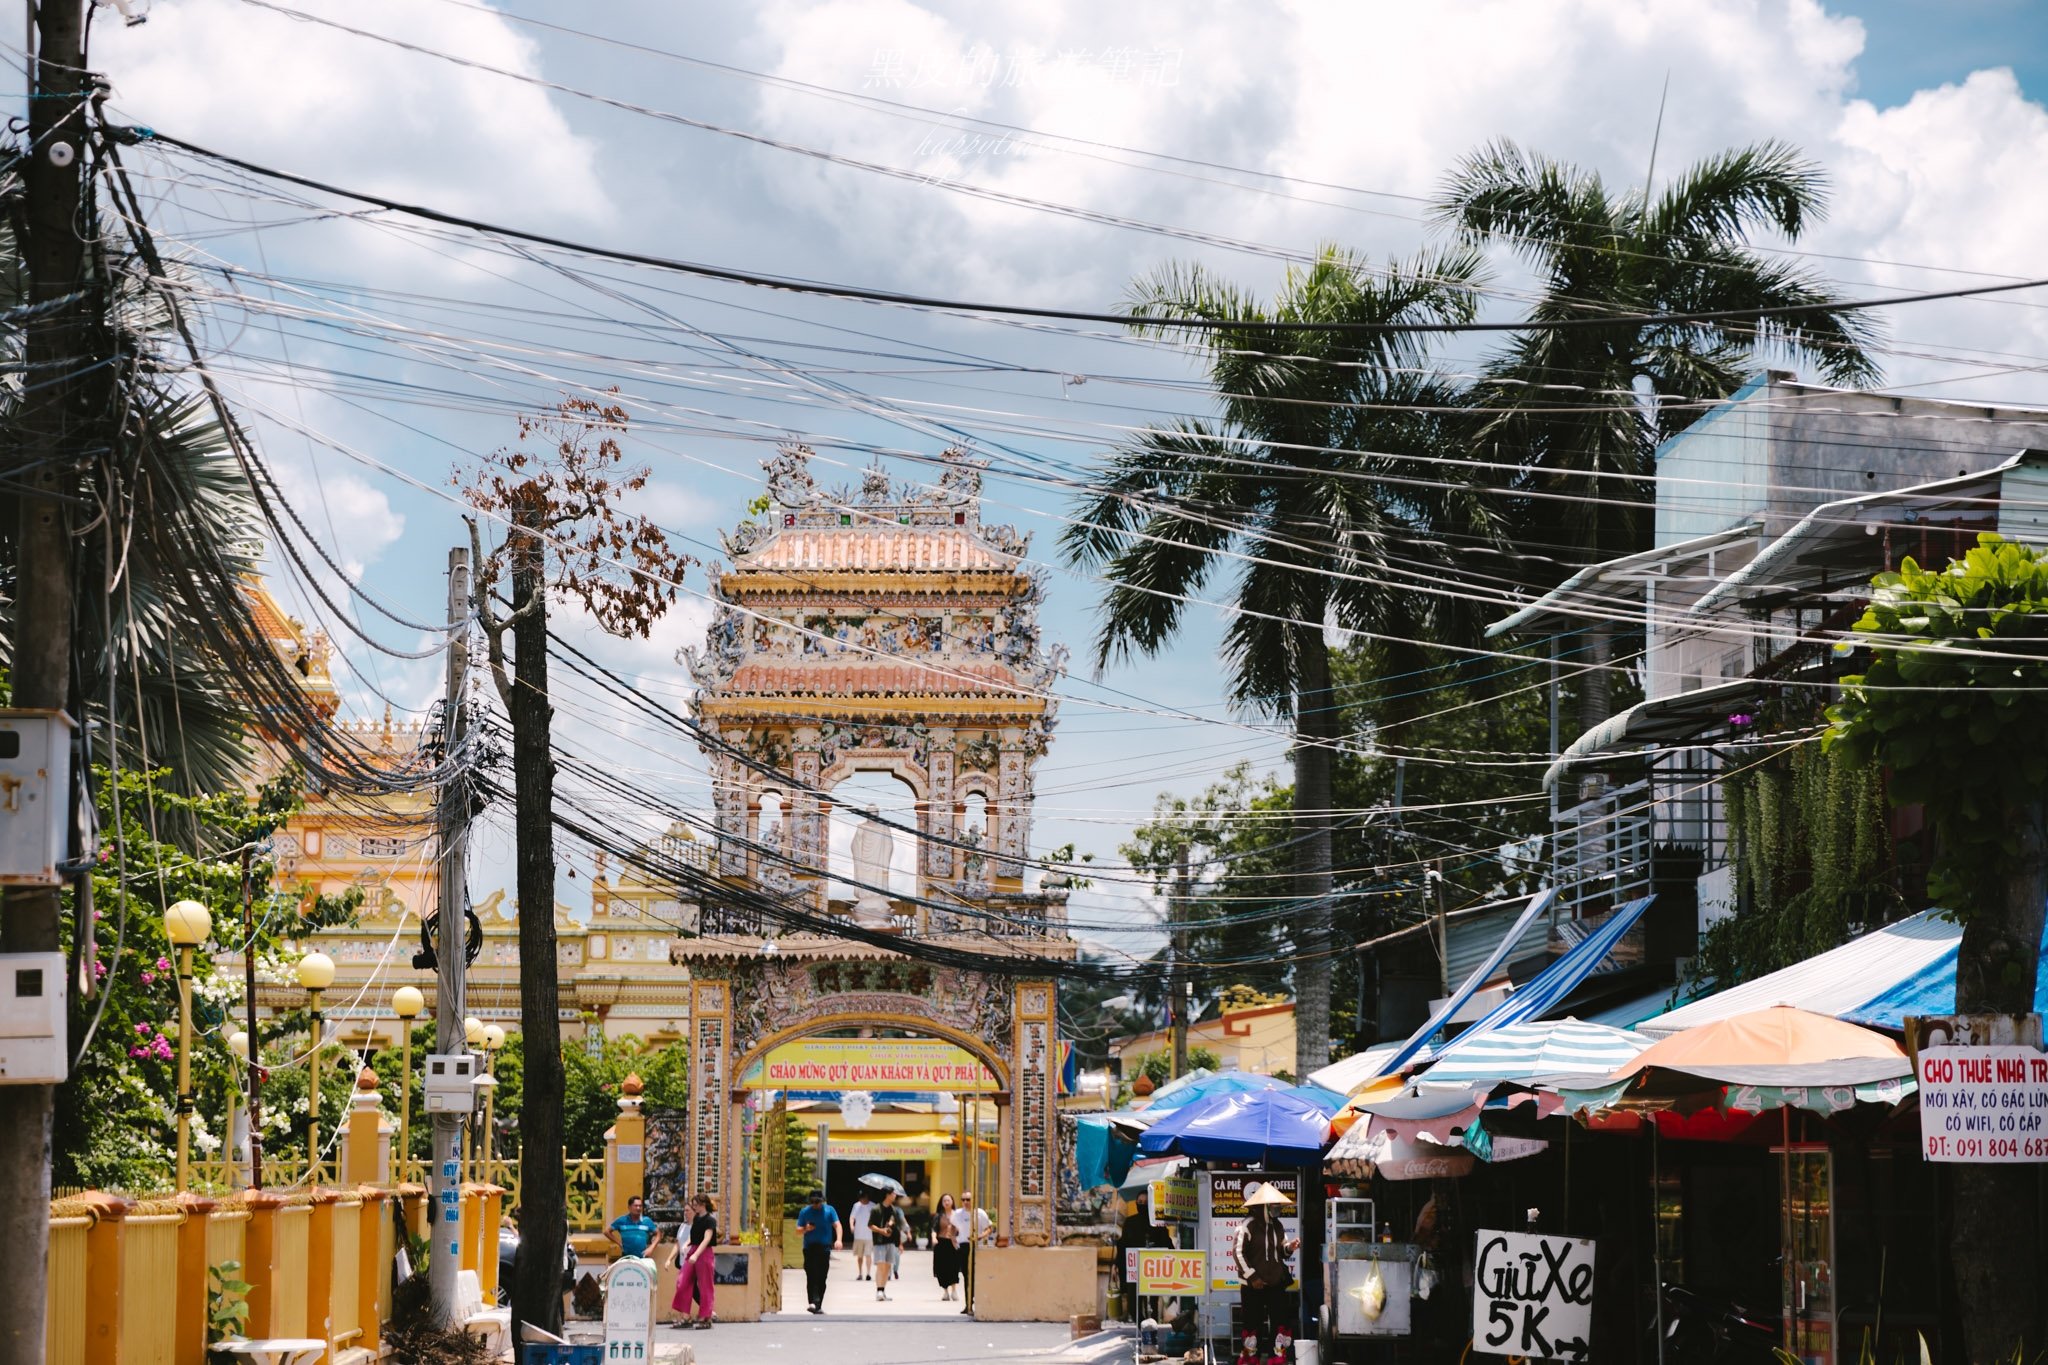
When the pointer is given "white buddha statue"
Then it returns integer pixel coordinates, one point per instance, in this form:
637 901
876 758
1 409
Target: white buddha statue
873 843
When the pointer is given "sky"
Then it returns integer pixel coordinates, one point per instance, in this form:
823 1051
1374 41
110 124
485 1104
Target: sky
376 357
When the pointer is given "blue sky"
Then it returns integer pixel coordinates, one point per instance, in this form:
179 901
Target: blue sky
1915 44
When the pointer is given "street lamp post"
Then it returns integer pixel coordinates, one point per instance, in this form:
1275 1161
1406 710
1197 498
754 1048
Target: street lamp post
238 1044
186 924
494 1038
316 974
406 1003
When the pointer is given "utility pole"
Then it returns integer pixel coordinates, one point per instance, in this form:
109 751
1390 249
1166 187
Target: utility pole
50 421
450 1005
1178 987
1443 926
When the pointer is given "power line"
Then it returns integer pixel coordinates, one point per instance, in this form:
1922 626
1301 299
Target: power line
859 294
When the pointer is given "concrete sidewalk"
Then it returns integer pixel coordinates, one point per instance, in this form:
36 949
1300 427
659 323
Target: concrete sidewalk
801 1339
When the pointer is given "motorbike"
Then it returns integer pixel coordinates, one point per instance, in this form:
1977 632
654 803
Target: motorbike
1699 1330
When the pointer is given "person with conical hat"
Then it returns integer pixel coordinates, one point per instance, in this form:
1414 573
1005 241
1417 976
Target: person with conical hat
1261 1249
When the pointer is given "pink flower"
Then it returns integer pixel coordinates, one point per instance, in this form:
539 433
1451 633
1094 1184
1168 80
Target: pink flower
148 977
99 969
137 1052
142 1029
163 964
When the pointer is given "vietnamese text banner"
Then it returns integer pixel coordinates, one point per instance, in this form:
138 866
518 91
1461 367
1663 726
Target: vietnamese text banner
1982 1104
885 1149
872 1064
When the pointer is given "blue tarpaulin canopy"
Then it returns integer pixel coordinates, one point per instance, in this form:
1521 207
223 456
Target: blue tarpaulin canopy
1931 990
1279 1127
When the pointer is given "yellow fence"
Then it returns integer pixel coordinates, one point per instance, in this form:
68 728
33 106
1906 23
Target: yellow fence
128 1279
584 1178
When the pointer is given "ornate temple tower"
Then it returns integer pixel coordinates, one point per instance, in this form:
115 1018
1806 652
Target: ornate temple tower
888 630
878 629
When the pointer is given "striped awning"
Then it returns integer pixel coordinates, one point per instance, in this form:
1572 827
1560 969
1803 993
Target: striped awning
1560 1047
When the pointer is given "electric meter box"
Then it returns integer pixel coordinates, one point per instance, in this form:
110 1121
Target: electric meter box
35 796
451 1082
33 1040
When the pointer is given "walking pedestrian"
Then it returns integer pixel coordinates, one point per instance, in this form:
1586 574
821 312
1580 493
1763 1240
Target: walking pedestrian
695 1265
973 1226
945 1248
863 1244
1261 1249
819 1223
886 1228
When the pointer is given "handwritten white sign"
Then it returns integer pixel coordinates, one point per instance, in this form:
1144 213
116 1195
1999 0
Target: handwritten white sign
1983 1104
1533 1296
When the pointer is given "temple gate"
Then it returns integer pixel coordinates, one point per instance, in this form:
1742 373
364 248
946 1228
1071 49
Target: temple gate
883 629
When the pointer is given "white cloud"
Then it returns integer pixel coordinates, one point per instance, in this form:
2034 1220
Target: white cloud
336 107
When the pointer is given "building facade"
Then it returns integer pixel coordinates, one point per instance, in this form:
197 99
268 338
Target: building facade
882 630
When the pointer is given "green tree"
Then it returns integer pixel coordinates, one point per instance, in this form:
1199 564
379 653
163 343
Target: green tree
116 1113
1304 492
1580 409
1951 705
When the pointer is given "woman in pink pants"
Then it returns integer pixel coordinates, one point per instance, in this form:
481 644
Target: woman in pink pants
694 1260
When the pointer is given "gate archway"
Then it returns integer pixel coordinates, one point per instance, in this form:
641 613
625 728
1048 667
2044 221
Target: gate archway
743 1009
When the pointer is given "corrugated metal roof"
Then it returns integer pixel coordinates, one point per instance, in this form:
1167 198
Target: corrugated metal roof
1473 940
937 549
1836 982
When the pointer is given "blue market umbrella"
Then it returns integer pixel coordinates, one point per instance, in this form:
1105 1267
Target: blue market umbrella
1208 1087
1280 1127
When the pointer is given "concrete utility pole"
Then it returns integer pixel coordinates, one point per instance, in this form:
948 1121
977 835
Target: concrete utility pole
450 1005
1178 985
49 429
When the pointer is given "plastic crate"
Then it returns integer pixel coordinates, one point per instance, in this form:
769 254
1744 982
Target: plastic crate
548 1353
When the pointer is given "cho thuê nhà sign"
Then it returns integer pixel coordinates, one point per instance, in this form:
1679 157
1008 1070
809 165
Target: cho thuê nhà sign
870 1064
1532 1296
1170 1274
1983 1087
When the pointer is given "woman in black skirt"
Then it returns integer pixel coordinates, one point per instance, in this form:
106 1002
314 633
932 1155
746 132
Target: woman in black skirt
945 1247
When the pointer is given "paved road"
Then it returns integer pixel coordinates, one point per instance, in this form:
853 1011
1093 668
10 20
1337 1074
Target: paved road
914 1294
806 1340
914 1326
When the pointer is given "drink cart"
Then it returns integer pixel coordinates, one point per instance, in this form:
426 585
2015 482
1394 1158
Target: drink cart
1355 1260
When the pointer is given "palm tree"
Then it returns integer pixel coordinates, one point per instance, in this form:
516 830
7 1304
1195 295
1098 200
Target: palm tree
1582 409
1305 492
163 466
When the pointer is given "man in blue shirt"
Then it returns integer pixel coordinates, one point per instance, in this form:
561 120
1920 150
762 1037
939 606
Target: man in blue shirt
820 1224
633 1232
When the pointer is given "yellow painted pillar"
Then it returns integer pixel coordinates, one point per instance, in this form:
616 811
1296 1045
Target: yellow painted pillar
487 1240
189 1343
373 1285
104 1245
262 1261
366 1152
412 1201
472 1208
625 1152
320 1270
